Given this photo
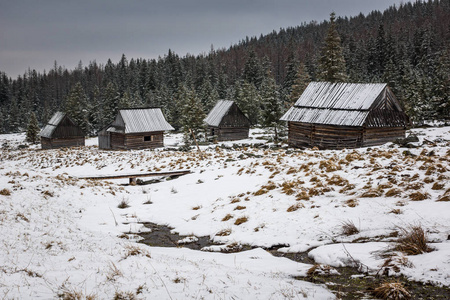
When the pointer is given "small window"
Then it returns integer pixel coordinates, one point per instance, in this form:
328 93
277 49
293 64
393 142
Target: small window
148 138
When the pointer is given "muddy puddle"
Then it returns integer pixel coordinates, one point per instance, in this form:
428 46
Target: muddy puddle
349 285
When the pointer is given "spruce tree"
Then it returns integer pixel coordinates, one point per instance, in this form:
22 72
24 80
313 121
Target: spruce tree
192 115
248 99
32 129
77 108
302 79
272 107
331 62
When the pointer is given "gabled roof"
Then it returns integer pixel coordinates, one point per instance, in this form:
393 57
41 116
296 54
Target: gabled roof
140 120
61 126
216 115
346 104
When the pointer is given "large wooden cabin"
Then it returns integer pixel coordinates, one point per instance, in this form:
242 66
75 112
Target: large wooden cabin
226 122
135 128
61 131
345 115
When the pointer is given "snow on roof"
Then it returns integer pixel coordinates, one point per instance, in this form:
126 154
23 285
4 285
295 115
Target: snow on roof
218 112
48 130
345 104
144 120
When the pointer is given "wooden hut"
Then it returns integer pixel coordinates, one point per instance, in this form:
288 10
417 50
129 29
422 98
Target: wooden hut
345 115
61 131
135 128
227 122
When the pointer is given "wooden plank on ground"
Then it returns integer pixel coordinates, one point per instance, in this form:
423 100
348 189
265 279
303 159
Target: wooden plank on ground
119 176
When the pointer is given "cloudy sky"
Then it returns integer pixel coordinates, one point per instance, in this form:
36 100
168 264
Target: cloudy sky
33 34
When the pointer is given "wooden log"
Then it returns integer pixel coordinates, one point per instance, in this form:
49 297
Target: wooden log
120 176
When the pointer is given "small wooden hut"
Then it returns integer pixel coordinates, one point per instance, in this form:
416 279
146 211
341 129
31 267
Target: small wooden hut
227 122
135 128
61 131
345 115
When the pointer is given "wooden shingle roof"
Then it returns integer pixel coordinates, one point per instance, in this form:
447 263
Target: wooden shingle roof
216 115
139 120
344 104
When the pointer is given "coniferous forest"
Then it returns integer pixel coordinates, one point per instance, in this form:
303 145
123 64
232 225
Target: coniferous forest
407 47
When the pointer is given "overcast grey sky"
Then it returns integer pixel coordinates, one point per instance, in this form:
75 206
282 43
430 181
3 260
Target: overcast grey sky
35 33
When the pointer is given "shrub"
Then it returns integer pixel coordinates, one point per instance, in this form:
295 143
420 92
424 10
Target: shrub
413 241
393 290
349 228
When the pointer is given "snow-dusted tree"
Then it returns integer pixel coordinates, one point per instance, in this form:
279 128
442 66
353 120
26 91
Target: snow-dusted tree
77 108
192 114
110 102
249 101
208 95
253 70
32 129
302 79
331 62
272 106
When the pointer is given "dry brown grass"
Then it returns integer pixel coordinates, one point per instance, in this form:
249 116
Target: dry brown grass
240 220
412 241
5 192
321 270
302 195
438 186
352 202
337 180
133 250
418 196
394 192
119 295
372 193
349 228
295 207
240 207
396 211
227 217
224 232
392 290
445 197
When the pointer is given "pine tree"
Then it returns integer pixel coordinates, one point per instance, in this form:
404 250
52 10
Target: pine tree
192 115
77 108
32 129
253 70
248 99
302 79
110 102
272 106
331 62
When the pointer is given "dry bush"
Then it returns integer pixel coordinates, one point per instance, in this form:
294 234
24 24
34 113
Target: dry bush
393 290
321 270
413 241
227 217
352 202
295 207
349 228
418 196
224 232
394 192
5 192
240 220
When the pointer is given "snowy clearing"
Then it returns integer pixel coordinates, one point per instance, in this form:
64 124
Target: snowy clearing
63 236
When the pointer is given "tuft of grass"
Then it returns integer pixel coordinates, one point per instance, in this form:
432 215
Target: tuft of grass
224 232
321 270
240 221
197 207
396 211
295 207
393 290
227 217
5 192
349 228
372 193
418 196
133 250
412 241
119 295
394 192
438 186
302 195
352 202
123 204
240 207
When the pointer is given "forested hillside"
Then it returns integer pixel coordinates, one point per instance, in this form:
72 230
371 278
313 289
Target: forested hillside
408 47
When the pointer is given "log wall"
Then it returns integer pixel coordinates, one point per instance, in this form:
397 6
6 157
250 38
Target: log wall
379 136
137 141
47 143
231 133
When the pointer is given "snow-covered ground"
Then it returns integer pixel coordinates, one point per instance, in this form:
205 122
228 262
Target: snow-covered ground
64 236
